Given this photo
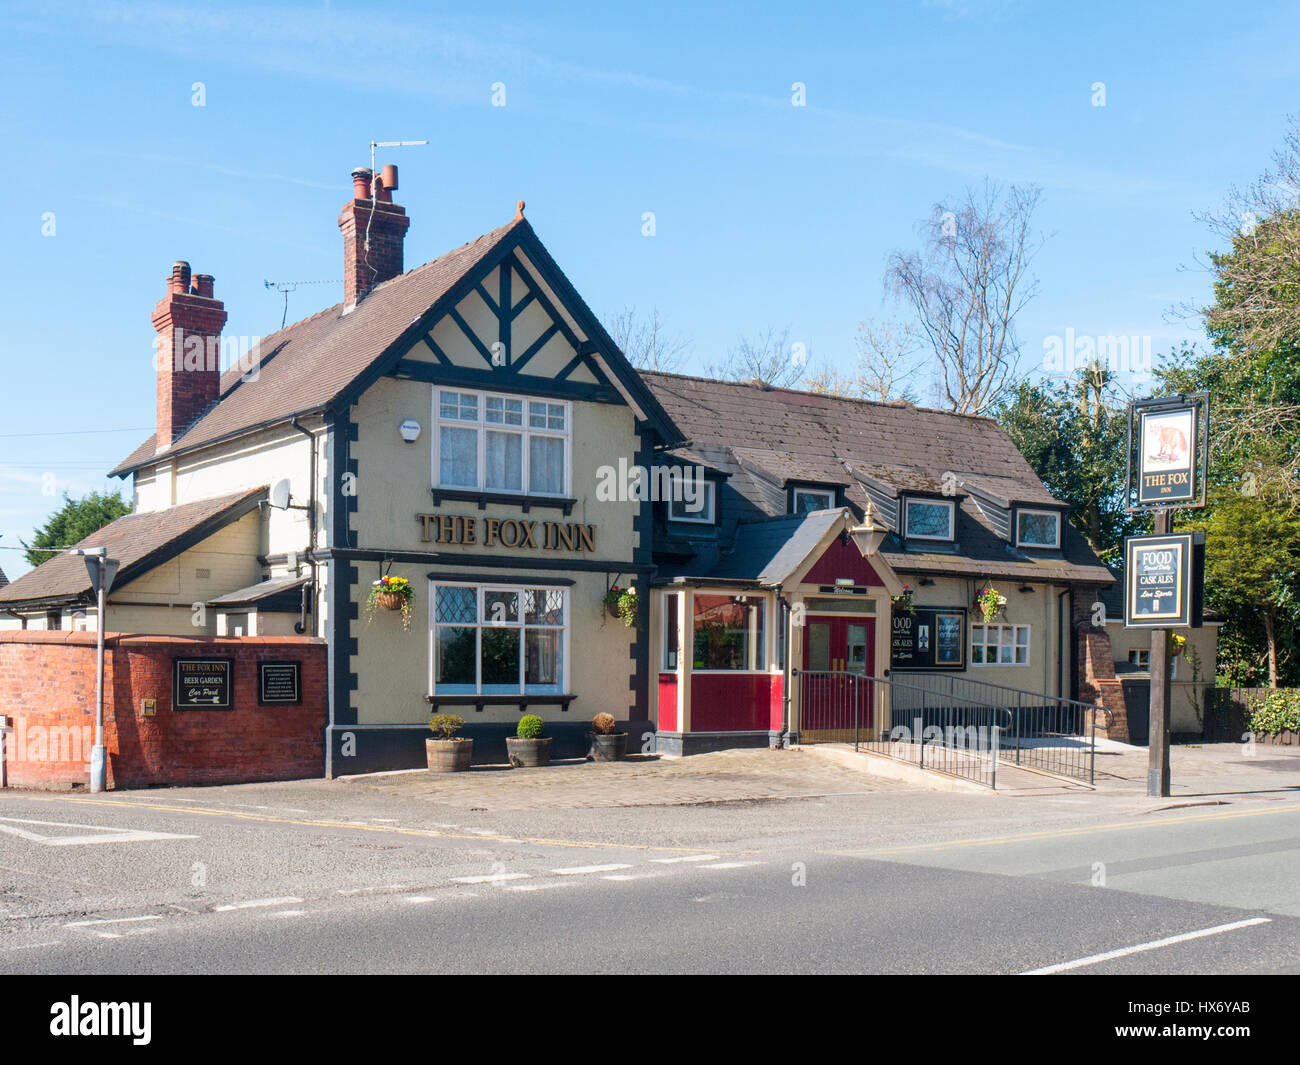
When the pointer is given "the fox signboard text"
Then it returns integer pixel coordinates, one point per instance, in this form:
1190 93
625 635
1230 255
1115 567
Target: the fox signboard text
1167 456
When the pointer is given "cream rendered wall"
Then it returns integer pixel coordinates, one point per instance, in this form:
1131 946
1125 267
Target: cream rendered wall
1037 609
393 485
1187 689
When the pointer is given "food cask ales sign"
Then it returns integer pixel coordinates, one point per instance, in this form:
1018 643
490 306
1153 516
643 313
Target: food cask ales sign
1163 576
928 639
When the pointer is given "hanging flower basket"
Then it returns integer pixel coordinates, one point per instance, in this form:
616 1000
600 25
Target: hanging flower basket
991 601
1177 644
622 603
391 593
903 602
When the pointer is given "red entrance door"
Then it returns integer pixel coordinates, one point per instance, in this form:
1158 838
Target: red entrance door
837 651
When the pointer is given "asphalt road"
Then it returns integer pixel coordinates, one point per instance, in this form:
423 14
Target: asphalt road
313 877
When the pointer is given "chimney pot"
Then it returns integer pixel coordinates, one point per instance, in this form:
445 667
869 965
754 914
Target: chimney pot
203 285
361 183
179 280
389 175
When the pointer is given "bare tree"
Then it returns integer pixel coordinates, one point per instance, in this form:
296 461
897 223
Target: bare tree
768 357
1257 282
645 341
966 285
881 372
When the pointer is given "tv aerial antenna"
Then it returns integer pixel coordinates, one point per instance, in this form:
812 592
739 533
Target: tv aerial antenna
373 146
286 287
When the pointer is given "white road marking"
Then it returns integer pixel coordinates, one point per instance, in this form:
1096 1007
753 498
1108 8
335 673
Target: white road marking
289 913
420 898
728 865
687 858
110 920
491 878
629 876
581 870
252 904
534 887
111 834
1110 955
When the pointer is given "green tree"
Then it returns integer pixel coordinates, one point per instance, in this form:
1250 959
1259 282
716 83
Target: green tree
1072 434
73 522
1252 572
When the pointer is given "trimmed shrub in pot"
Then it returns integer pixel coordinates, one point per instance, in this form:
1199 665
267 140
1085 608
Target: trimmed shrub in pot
606 744
447 752
528 747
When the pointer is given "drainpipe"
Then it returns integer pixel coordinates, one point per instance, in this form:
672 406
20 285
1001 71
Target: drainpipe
1066 633
301 625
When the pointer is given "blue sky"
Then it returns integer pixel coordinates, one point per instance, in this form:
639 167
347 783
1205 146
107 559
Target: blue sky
766 214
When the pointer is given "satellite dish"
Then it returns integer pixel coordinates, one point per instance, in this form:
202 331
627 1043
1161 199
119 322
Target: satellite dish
280 494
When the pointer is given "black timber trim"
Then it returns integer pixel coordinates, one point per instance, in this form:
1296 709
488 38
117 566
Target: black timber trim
489 381
522 701
457 575
343 612
548 334
643 527
447 558
481 499
470 335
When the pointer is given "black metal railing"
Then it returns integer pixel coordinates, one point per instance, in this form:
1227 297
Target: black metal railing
943 731
1047 732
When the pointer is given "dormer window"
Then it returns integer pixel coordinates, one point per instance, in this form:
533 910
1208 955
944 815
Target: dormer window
697 508
806 500
929 519
1038 528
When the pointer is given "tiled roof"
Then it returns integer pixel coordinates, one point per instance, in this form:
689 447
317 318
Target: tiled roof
256 593
138 541
769 551
803 436
3 579
306 365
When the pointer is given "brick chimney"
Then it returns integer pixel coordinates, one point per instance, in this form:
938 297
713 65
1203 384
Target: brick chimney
188 321
362 269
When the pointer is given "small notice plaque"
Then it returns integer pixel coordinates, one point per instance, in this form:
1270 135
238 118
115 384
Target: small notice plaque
279 683
202 683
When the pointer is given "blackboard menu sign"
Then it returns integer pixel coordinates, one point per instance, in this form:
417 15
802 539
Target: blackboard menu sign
928 638
202 683
279 683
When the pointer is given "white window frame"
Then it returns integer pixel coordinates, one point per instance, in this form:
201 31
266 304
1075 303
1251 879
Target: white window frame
481 426
812 492
762 651
983 629
708 513
952 519
1042 513
479 625
670 606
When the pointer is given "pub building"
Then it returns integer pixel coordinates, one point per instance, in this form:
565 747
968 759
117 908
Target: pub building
456 425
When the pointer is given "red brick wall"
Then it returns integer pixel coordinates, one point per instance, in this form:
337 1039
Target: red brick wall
1096 663
47 691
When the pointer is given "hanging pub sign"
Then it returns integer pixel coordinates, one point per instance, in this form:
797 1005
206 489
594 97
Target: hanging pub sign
1168 438
1163 580
201 683
928 638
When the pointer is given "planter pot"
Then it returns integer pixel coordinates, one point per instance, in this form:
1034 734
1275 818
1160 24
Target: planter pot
609 748
529 752
389 601
449 756
611 609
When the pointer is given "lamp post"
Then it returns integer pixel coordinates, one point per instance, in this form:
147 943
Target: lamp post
102 570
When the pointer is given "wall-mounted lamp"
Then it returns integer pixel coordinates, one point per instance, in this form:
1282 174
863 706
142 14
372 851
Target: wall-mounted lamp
869 536
410 430
1028 589
926 582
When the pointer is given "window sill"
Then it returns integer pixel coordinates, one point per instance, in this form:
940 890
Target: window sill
507 499
521 701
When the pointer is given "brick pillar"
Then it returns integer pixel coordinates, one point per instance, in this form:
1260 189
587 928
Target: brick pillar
364 268
188 321
1097 680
